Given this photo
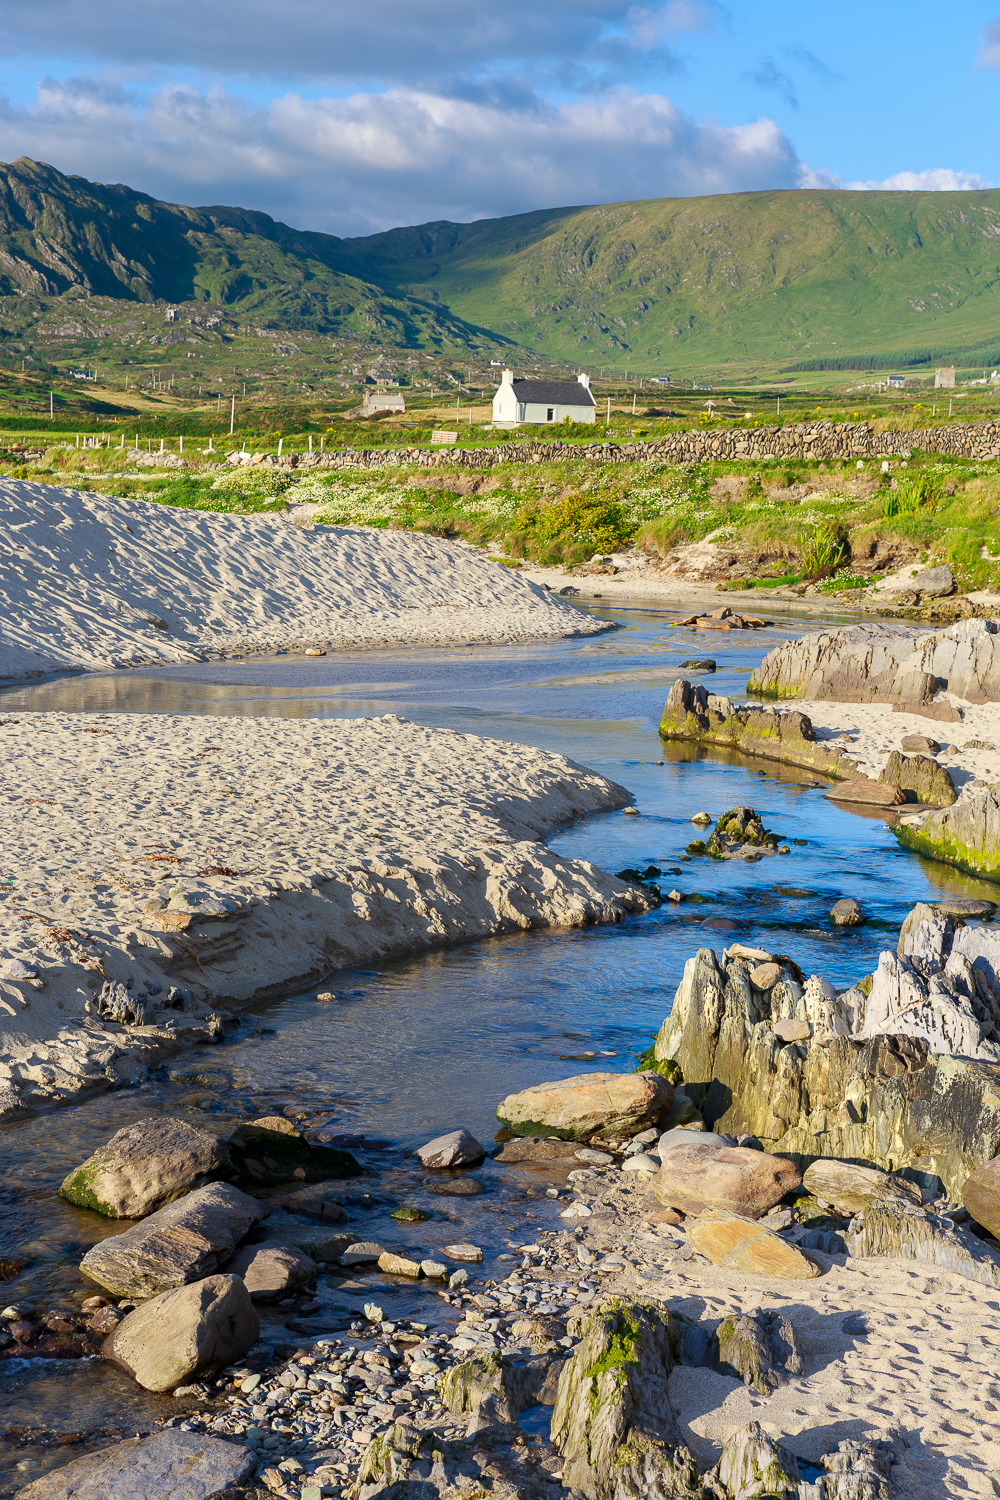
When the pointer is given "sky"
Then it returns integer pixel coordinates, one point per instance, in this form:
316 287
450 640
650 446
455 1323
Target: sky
353 117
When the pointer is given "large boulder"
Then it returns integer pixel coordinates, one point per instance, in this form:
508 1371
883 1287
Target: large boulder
613 1422
611 1105
885 664
848 1187
751 1249
456 1149
966 834
172 1338
273 1269
144 1166
902 1231
271 1150
169 1465
981 1196
692 713
693 1178
921 775
178 1244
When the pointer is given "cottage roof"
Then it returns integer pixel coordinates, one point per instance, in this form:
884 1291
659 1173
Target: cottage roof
553 392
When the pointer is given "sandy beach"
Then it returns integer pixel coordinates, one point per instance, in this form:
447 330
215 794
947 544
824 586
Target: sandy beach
89 582
202 864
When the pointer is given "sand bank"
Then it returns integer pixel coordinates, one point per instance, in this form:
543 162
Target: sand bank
186 867
90 581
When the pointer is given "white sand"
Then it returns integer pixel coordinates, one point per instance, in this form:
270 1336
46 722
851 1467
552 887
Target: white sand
84 579
353 841
873 731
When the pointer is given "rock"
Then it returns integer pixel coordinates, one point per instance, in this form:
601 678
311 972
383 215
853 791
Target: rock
611 1105
641 1163
361 1252
754 1467
707 665
933 583
922 776
595 1158
846 913
692 713
271 1150
943 713
792 1031
981 1195
456 1187
765 976
315 1201
703 819
737 828
169 1465
743 1245
495 1388
884 664
272 1269
921 743
185 1333
457 1149
671 1139
181 1243
900 1230
435 1269
464 1251
693 1178
144 1166
398 1265
613 1422
849 1187
458 1279
966 834
862 790
534 1148
408 1215
759 1348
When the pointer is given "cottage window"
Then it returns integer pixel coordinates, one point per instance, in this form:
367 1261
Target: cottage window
550 414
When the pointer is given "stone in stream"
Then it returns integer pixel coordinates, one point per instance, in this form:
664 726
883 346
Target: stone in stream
613 1422
534 1148
190 1331
316 1202
693 1178
922 776
398 1265
145 1166
271 1150
169 1465
846 913
456 1149
739 828
361 1252
692 713
849 1187
456 1187
747 1247
272 1269
611 1105
183 1242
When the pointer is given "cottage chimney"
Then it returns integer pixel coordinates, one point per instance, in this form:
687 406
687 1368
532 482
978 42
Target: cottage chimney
507 378
584 381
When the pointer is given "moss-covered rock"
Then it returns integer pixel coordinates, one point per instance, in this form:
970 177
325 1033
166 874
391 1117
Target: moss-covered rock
271 1150
739 827
691 713
966 834
145 1166
921 775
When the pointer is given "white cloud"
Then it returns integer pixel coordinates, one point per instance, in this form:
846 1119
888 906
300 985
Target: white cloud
989 46
370 161
933 180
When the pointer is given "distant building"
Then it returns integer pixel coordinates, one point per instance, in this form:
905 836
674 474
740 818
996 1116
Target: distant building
378 401
543 400
944 377
896 382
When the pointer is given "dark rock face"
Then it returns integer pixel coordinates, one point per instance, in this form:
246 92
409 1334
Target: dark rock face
692 713
272 1151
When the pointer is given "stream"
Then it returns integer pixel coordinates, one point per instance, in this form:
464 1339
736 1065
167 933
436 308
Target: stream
425 1044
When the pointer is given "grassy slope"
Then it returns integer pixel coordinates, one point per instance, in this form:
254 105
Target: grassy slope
771 277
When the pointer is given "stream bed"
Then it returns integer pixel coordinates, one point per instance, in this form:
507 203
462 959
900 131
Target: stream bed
425 1044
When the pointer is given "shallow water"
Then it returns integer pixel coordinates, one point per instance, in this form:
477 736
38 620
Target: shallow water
428 1043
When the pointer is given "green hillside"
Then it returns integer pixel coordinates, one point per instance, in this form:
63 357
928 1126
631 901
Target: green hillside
62 236
775 279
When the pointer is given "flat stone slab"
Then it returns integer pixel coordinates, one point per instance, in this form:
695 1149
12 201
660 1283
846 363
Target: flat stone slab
169 1465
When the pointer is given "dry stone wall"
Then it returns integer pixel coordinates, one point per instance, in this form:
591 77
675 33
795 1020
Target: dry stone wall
813 440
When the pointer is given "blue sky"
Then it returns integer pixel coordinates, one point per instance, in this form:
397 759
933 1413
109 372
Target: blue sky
351 118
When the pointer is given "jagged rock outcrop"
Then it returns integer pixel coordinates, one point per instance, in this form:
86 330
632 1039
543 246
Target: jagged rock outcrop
754 1466
849 1187
738 828
875 1082
905 1232
981 1196
966 834
759 1348
693 713
613 1422
922 776
885 664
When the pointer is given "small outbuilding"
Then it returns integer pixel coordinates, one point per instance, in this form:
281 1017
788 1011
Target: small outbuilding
944 378
543 400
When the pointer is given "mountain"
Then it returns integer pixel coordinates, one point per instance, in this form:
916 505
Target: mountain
807 278
733 283
62 236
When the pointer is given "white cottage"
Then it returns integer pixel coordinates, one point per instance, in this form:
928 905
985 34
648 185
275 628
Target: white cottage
543 400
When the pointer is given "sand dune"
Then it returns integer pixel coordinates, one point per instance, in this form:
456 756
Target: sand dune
90 581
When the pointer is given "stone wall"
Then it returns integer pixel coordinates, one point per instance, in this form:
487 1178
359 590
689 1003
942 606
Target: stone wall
813 440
